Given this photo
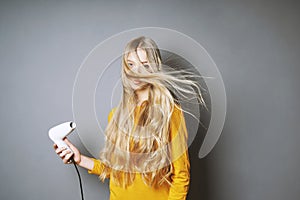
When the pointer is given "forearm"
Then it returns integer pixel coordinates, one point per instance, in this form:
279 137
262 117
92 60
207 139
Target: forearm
86 162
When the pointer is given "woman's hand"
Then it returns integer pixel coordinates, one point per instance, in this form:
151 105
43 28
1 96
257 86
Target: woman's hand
66 154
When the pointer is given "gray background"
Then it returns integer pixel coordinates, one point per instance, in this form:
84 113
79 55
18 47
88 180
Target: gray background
254 43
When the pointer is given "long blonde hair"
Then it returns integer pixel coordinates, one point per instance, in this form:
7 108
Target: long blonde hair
142 146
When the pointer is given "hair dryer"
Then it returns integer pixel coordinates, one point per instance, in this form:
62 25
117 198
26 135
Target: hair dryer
59 132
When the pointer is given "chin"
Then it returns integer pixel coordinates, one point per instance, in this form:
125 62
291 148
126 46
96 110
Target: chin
139 87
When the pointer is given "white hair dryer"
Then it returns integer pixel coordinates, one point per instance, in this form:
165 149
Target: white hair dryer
59 132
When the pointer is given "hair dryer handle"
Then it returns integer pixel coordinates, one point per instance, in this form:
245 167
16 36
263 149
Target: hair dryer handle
61 143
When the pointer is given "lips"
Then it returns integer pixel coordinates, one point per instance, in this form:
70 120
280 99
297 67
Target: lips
136 81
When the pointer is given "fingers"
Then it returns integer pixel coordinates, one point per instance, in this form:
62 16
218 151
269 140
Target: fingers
67 158
59 150
64 153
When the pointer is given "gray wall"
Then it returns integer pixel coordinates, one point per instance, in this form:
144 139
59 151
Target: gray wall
254 43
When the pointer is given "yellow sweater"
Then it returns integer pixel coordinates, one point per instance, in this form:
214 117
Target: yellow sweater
180 177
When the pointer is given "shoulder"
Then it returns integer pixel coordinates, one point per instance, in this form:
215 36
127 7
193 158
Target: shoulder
177 121
177 113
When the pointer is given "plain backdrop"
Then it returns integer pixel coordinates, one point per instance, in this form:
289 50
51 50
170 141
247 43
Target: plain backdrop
254 43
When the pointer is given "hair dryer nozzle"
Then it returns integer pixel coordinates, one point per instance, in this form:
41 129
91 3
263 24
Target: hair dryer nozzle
72 125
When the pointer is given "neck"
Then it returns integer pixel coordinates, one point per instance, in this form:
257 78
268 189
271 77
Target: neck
142 95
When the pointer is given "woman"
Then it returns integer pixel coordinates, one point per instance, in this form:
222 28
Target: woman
145 155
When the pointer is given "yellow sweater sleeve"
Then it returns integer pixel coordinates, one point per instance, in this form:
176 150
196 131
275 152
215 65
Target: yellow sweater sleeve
180 158
98 165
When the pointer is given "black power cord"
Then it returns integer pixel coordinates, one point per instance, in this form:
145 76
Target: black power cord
80 183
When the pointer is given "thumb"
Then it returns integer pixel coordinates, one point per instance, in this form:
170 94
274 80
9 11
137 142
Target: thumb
74 149
76 152
68 142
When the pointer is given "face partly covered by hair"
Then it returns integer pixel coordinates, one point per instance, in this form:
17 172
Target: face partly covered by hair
137 63
140 62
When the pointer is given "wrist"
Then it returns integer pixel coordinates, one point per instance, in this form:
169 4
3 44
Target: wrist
79 160
86 162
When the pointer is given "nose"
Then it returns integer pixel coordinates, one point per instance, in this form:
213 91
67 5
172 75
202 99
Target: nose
136 69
